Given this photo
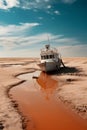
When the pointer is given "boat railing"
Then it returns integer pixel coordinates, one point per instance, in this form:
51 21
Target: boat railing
52 50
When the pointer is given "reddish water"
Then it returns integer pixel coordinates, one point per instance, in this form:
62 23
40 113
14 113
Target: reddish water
38 101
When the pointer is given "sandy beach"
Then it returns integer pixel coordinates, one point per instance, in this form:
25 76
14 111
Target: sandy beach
71 89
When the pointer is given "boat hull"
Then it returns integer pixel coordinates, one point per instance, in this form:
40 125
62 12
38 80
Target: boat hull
49 66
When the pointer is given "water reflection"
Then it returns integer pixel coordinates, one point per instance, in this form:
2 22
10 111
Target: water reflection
47 84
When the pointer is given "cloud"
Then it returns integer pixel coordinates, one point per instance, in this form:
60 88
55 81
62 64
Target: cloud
9 30
73 51
49 6
35 5
17 36
12 42
6 4
66 41
56 12
12 35
65 51
30 4
26 4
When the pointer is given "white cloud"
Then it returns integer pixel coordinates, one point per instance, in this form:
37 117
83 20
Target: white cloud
35 4
11 35
51 12
25 4
64 40
56 12
73 51
13 40
49 6
6 30
65 51
29 4
6 4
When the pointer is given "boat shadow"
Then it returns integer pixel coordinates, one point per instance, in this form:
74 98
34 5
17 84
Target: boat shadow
65 70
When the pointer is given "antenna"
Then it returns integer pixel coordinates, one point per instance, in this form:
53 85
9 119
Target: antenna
48 39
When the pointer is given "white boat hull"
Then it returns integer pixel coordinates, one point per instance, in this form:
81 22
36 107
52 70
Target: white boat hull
49 66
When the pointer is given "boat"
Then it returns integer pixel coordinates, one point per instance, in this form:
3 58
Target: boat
50 59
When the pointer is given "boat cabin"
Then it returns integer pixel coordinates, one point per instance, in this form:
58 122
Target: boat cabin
50 59
49 53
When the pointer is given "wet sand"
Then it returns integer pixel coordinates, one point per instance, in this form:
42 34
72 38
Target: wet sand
37 99
69 87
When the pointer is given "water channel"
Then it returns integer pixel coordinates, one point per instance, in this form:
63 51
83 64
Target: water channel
38 102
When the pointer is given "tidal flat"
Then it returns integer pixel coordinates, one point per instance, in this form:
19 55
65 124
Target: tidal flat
67 87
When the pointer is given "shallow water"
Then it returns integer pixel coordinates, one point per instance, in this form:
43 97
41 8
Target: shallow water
38 101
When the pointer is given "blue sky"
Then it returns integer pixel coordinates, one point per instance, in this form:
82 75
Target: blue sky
26 24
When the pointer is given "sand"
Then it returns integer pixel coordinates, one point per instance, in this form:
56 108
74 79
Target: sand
73 85
72 88
10 118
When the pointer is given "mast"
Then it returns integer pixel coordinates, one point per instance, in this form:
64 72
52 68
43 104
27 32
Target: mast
48 39
47 46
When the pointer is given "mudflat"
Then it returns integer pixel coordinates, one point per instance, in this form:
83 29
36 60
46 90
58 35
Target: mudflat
72 88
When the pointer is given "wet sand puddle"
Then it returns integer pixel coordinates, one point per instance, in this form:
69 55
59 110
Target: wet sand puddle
38 102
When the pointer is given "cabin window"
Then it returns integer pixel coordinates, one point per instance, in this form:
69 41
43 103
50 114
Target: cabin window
47 57
51 56
42 57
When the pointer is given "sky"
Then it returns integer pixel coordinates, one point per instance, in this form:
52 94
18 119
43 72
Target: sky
25 26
